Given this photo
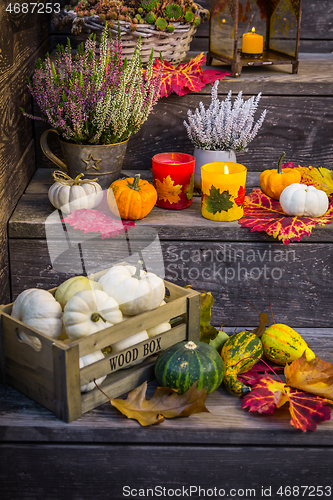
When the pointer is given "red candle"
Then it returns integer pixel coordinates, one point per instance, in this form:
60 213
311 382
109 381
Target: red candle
173 175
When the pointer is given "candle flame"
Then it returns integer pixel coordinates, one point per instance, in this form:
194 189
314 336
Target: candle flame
253 29
226 170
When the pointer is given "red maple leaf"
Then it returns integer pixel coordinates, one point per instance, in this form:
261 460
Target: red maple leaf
257 372
262 213
306 410
240 196
94 221
186 77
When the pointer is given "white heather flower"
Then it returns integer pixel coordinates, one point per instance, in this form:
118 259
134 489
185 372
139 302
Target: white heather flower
224 126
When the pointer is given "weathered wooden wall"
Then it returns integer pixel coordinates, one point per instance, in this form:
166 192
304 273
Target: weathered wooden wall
23 38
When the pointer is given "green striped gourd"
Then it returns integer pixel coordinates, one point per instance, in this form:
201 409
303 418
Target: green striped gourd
283 345
236 354
182 364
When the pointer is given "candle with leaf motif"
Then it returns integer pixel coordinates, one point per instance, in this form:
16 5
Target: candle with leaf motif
223 191
173 175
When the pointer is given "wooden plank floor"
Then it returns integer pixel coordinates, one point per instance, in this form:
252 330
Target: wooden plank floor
226 448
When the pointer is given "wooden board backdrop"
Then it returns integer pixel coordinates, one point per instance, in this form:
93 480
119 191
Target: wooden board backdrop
23 38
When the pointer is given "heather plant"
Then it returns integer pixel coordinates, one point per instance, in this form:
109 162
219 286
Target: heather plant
93 98
223 126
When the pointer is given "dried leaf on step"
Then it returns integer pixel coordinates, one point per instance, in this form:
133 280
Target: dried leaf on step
260 330
315 376
306 410
165 403
207 331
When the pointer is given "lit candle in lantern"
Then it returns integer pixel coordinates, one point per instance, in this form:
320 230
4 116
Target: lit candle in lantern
252 43
223 191
173 175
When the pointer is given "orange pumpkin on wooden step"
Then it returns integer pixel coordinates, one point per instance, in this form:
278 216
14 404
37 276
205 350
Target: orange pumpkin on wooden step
133 198
273 182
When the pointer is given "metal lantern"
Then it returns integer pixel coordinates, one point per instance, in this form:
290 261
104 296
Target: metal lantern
277 21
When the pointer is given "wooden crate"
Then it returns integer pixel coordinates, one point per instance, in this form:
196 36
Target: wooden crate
52 377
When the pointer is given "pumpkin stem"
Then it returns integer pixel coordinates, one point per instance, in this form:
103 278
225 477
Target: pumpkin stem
96 317
138 269
77 179
135 184
279 169
191 345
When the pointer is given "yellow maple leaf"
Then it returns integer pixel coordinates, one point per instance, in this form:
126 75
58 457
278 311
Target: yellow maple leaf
167 191
315 376
320 178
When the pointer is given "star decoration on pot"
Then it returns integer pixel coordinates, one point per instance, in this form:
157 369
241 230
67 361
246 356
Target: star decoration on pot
89 160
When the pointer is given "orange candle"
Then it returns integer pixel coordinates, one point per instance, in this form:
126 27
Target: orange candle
252 43
223 191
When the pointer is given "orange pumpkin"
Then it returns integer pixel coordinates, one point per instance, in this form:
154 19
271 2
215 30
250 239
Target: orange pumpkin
132 198
273 182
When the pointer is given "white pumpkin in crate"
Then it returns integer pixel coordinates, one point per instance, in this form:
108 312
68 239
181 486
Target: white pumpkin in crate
90 311
129 342
160 328
69 194
72 286
38 309
136 291
89 359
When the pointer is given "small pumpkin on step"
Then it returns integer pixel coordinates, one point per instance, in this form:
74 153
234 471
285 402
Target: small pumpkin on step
131 198
186 362
69 194
274 181
239 353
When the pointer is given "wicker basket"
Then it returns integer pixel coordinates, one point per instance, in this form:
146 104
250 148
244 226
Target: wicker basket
173 46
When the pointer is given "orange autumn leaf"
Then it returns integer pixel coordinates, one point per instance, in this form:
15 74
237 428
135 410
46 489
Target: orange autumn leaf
315 376
306 410
165 403
167 191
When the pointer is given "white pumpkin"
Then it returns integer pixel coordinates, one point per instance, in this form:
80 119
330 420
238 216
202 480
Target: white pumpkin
156 330
38 309
89 359
160 328
90 311
136 291
129 342
72 286
300 199
73 194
